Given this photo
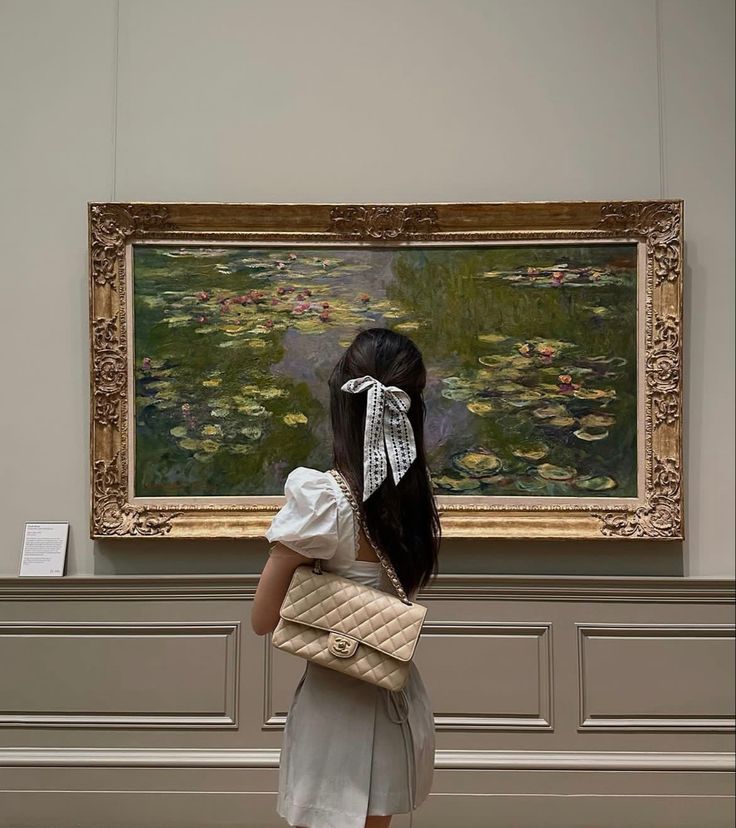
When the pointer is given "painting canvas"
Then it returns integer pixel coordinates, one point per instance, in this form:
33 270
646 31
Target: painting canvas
530 351
551 333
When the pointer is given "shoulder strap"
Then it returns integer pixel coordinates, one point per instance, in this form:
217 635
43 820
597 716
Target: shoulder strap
385 562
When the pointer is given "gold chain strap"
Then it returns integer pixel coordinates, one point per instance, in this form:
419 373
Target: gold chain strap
390 571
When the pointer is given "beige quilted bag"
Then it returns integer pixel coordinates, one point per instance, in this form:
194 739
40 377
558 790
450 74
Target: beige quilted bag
347 626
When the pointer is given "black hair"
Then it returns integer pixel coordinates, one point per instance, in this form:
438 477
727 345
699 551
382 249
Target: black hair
402 518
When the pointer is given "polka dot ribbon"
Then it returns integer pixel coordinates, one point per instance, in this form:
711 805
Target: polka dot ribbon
388 432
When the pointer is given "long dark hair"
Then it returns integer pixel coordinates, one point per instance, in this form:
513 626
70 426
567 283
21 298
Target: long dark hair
402 519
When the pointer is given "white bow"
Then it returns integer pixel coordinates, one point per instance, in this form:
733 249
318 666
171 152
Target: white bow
385 423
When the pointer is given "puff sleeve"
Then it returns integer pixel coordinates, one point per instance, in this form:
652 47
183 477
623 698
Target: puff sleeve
307 522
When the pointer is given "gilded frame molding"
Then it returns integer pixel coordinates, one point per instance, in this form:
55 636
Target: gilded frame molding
656 227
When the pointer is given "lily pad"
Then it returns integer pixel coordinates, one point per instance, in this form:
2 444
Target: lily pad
483 408
590 434
596 484
592 393
532 453
561 422
179 431
597 420
294 418
478 463
529 485
510 388
252 409
177 321
551 472
457 393
453 381
190 444
524 399
610 361
492 359
455 484
547 412
252 432
270 393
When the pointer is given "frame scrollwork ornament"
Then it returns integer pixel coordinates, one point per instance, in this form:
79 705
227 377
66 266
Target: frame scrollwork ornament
659 222
663 370
111 225
113 515
383 222
659 516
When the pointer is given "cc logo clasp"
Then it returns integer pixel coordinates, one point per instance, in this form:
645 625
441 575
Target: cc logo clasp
341 646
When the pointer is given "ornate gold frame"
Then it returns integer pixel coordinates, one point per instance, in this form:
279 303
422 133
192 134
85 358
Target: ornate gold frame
655 225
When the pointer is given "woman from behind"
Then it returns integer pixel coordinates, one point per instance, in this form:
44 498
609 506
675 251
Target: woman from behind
355 753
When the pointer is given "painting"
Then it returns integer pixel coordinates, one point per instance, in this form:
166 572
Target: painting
550 332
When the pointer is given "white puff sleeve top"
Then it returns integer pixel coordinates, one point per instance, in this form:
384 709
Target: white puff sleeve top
316 520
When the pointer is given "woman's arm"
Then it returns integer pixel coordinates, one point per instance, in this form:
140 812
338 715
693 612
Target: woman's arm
272 586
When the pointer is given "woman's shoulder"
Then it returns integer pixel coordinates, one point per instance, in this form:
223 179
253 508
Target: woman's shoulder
308 519
309 475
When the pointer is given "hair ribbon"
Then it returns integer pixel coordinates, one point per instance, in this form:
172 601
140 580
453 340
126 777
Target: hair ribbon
388 437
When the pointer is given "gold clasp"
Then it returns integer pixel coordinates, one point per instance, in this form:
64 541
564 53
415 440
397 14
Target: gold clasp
341 646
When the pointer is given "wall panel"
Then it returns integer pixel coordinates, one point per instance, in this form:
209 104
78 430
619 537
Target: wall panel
164 702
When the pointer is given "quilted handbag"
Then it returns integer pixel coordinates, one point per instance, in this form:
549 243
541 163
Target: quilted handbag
348 626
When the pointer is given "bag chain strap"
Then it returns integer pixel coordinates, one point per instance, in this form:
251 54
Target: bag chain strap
387 565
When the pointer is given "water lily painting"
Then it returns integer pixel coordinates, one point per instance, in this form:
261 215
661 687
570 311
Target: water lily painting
531 356
552 357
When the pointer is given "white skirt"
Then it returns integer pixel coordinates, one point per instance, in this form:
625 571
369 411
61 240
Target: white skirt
351 749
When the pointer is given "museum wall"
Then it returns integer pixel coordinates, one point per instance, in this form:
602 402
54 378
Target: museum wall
602 691
350 101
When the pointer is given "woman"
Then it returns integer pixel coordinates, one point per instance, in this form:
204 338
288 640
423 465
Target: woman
354 753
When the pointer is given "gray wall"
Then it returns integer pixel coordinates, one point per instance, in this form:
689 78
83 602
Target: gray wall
343 100
133 693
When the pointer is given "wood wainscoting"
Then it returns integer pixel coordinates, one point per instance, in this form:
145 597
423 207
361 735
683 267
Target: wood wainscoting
560 702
